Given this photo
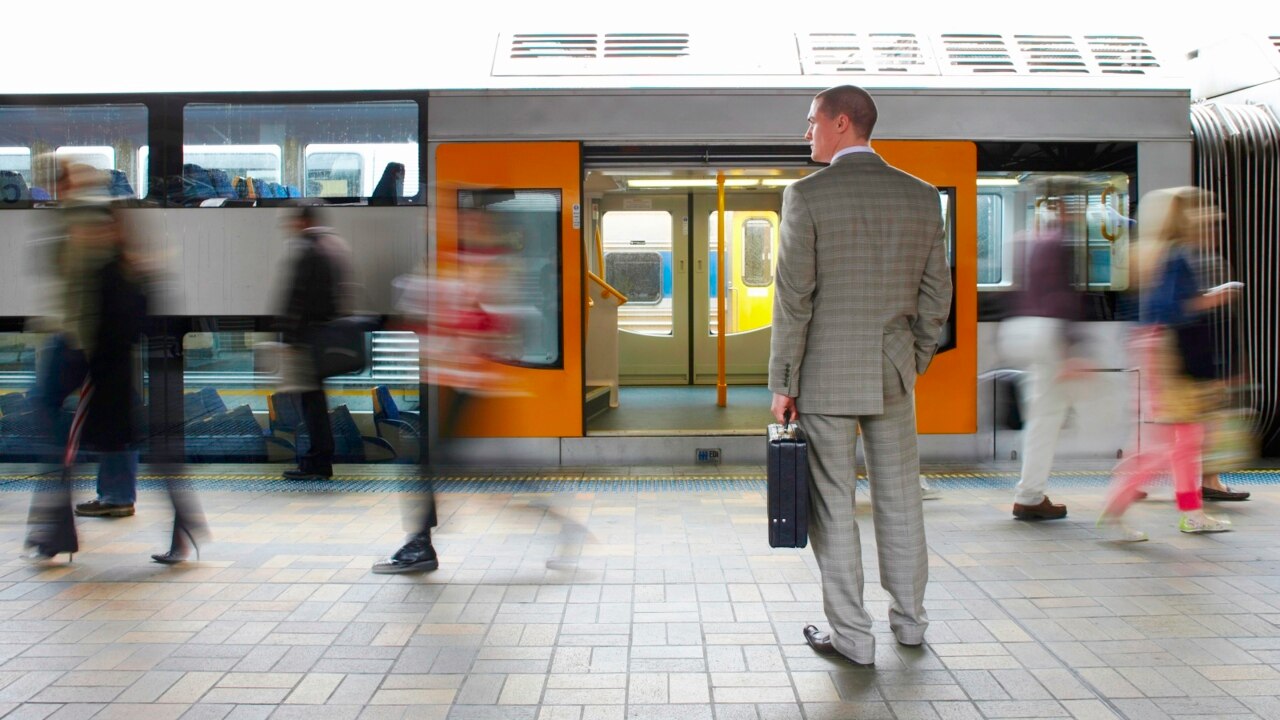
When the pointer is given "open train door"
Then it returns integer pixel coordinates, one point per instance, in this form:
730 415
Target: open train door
523 199
947 395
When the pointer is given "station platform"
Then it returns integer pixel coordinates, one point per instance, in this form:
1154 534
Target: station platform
629 594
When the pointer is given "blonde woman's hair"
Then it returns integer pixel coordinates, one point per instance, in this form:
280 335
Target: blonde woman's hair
1168 218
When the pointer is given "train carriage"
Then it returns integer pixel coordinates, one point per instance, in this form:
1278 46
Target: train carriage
606 152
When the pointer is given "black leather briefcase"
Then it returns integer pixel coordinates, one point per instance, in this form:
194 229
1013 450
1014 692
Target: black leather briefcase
788 478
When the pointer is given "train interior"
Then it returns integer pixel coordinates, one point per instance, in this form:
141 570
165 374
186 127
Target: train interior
653 248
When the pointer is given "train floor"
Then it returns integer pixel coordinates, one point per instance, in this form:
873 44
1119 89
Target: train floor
685 409
629 594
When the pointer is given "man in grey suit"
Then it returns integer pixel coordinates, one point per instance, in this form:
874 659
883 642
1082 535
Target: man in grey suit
863 291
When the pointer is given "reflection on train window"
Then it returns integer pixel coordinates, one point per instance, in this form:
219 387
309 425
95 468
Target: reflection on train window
990 239
751 246
519 230
638 275
253 152
632 239
22 437
757 253
1011 205
106 137
238 407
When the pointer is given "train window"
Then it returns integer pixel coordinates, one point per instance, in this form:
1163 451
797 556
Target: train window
751 244
757 253
991 253
102 136
374 170
637 261
337 150
518 231
638 275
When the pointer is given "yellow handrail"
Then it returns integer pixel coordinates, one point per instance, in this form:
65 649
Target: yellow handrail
606 288
1102 222
722 389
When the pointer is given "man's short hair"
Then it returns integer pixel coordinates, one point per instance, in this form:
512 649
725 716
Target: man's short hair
854 103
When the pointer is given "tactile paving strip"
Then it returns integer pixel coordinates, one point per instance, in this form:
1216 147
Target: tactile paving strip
517 483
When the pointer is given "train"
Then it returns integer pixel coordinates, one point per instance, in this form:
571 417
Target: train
609 153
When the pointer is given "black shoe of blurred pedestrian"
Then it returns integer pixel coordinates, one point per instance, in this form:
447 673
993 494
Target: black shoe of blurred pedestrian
1225 494
97 508
309 474
417 555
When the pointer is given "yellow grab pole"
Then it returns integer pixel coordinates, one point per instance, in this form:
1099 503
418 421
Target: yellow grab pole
722 390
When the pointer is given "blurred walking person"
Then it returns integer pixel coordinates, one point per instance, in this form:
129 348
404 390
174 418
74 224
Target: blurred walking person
84 241
1044 338
317 291
1170 224
462 341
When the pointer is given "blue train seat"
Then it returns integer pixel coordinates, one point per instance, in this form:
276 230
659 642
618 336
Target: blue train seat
14 403
196 183
118 184
202 404
292 191
13 188
221 183
390 187
285 414
403 430
231 436
259 188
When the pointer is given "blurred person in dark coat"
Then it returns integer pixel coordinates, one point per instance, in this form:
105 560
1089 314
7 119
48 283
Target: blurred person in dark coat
316 292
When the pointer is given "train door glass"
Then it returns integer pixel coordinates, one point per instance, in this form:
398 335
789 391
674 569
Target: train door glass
645 257
751 256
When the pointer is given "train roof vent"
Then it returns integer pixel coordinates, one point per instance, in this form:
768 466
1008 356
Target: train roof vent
621 54
977 54
646 45
1050 54
1122 54
864 53
531 46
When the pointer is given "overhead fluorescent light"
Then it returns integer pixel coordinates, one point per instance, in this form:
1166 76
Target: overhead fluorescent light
777 182
689 182
997 182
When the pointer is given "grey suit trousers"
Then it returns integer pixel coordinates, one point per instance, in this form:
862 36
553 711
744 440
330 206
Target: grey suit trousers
893 467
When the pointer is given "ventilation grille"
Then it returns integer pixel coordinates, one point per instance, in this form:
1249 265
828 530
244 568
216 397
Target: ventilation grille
646 45
533 47
1275 42
593 54
1048 54
864 53
850 54
977 54
1122 54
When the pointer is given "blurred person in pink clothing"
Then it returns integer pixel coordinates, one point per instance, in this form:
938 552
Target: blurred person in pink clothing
1171 224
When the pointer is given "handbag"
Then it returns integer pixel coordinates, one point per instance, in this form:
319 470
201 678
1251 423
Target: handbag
1229 443
339 346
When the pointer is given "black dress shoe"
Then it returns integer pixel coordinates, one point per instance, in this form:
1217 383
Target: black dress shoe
301 474
417 555
1225 493
97 508
821 644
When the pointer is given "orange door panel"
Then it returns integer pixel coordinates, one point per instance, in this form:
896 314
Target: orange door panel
543 401
947 395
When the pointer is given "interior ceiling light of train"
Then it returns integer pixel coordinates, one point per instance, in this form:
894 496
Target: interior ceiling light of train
633 180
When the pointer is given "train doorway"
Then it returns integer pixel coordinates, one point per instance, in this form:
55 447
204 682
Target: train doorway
661 252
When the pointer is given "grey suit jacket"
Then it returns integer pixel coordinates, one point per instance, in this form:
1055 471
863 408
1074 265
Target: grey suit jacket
862 276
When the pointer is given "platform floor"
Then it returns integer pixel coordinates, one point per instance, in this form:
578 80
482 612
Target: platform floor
630 593
685 409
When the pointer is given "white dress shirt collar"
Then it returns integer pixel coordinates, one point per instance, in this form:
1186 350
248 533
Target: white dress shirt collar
851 150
